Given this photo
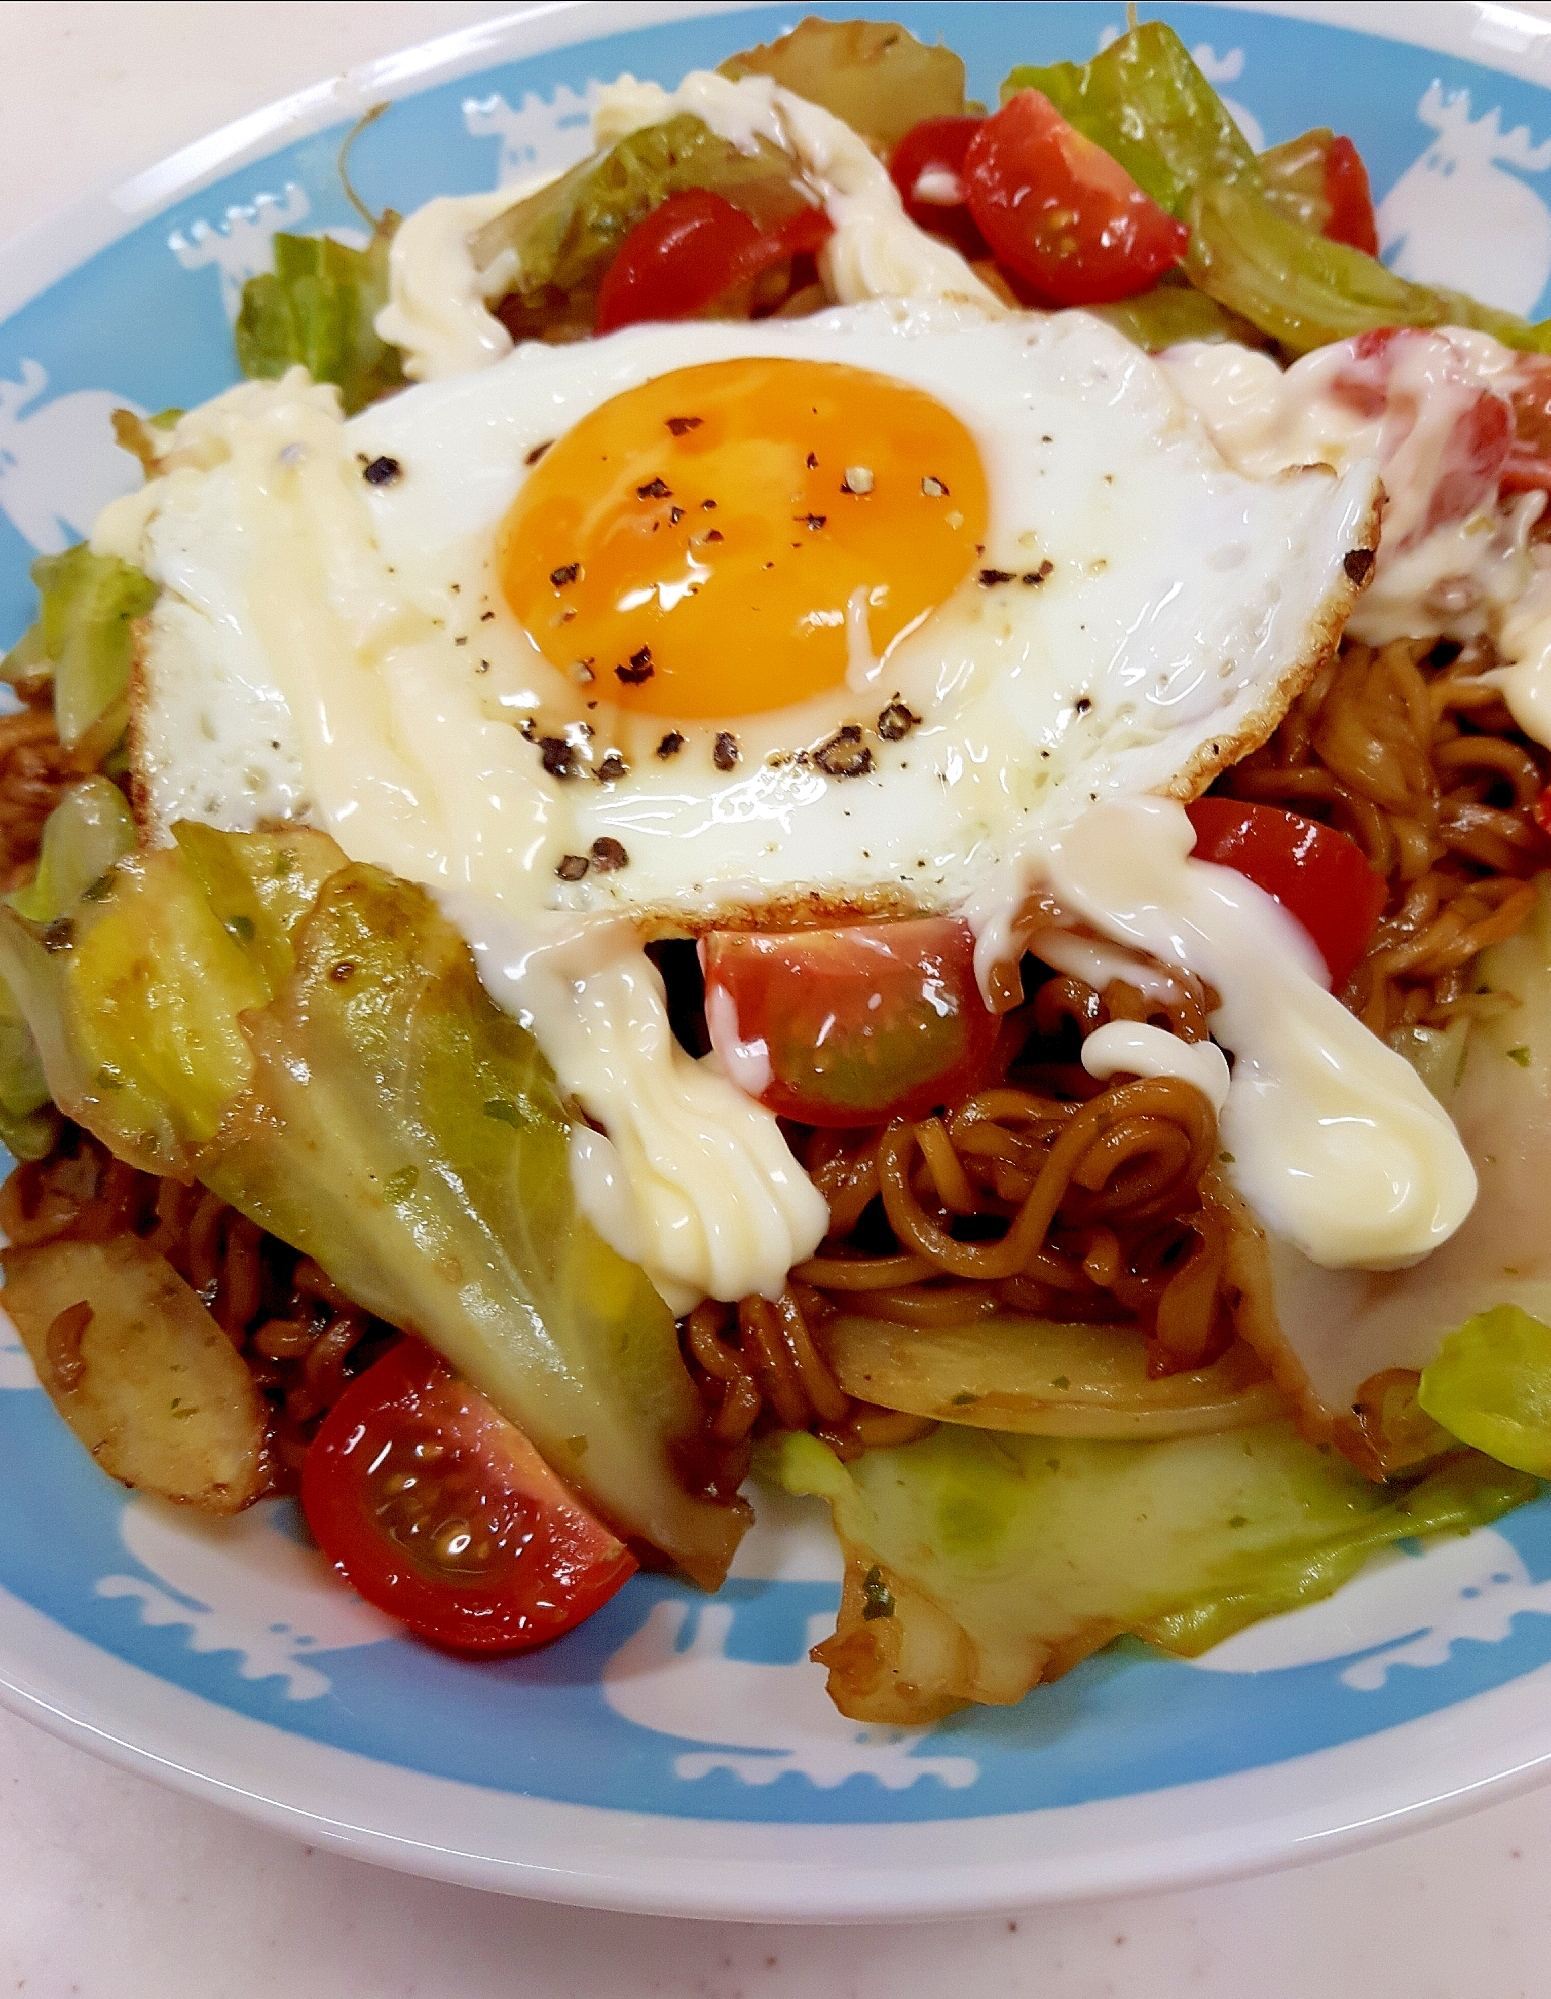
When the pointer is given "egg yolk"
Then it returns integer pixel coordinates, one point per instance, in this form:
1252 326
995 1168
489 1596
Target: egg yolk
719 540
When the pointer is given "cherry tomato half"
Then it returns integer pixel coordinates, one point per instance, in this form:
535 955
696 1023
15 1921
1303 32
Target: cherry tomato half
1317 874
928 169
849 1026
438 1511
1392 372
1351 217
1058 211
691 249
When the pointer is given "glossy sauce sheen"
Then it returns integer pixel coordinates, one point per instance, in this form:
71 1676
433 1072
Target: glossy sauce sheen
1335 1141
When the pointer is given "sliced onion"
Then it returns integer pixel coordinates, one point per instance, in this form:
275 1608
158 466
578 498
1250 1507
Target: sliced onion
1042 1378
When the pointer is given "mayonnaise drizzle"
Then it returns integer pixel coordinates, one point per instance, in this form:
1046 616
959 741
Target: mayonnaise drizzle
437 310
1453 580
437 301
694 1180
1334 1140
1136 1048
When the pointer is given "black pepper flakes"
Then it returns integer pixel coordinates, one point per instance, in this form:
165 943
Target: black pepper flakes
559 757
712 534
1081 705
639 670
845 754
571 867
679 424
612 768
670 745
1034 577
896 722
724 751
675 515
485 617
708 506
342 971
989 578
60 934
813 461
1358 564
813 522
382 472
607 855
566 573
654 489
538 451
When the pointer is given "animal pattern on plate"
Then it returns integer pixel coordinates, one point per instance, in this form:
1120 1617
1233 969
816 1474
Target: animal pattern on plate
667 1702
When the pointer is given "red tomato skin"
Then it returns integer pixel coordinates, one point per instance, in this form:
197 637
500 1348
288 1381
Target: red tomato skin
1060 213
860 1024
1315 872
1529 462
1351 218
1543 810
1478 455
691 249
938 145
565 1566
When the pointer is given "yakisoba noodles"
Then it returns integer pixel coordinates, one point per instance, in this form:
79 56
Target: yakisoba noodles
1079 1201
301 1338
1051 1195
1421 763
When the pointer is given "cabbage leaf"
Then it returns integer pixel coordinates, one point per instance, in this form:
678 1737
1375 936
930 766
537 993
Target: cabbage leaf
978 1564
1255 246
1491 1387
563 238
318 307
409 1135
83 639
874 75
1145 101
310 1040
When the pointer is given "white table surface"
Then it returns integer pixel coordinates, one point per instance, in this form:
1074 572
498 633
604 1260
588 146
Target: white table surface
111 1888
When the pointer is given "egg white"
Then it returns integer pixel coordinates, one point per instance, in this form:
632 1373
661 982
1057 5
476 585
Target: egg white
340 651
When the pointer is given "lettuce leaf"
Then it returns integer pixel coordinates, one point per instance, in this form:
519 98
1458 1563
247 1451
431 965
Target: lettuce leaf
1306 291
874 75
564 237
1144 100
318 307
1169 314
979 1564
83 639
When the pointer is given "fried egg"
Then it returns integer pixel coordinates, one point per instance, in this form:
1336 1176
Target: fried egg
711 624
714 625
